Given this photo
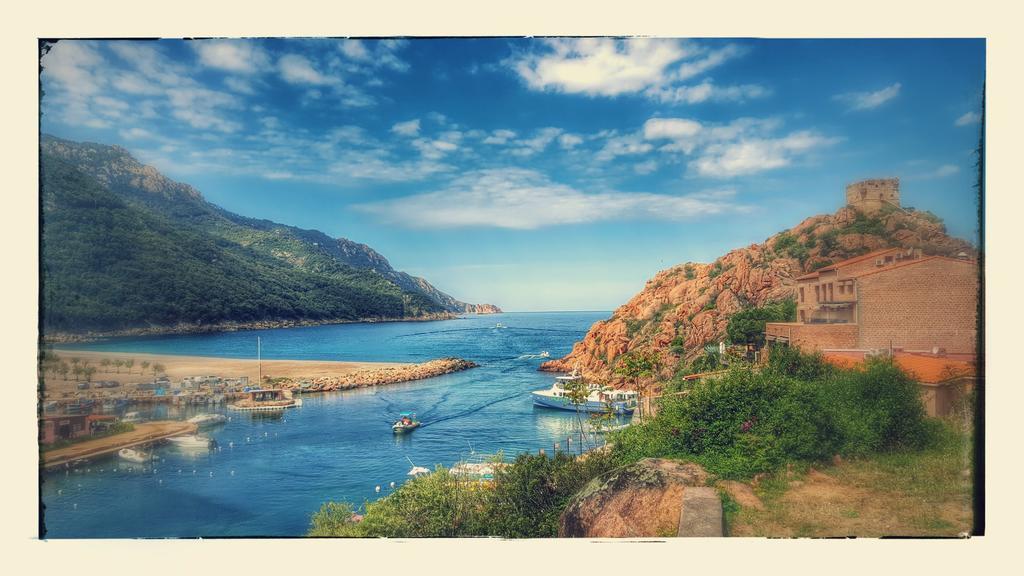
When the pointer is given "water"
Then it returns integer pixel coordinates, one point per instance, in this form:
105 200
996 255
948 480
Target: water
269 474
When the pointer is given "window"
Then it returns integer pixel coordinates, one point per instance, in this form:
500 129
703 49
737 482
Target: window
842 288
801 293
817 293
831 292
803 317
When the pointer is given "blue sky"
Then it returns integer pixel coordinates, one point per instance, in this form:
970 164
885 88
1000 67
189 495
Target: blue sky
536 174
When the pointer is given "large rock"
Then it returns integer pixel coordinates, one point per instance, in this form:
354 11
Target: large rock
642 500
693 302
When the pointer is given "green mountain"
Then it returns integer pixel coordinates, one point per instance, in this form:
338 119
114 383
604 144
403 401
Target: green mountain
124 247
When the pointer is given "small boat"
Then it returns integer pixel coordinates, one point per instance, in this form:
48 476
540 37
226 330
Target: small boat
499 325
204 420
191 441
131 455
545 354
406 422
131 417
417 470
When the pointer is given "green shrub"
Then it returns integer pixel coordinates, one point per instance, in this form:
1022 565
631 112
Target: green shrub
690 274
747 326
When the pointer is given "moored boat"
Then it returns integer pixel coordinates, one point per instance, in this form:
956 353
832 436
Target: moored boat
190 441
132 455
204 420
599 398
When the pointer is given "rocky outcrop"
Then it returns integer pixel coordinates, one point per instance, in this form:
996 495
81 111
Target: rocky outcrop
688 306
642 500
381 376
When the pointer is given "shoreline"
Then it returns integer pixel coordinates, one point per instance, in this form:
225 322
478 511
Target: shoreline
324 375
62 337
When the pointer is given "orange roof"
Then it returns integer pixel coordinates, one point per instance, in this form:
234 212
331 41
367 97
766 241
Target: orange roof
927 369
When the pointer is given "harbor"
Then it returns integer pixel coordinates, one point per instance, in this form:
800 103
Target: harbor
337 445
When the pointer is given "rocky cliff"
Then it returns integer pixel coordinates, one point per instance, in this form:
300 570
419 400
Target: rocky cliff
685 308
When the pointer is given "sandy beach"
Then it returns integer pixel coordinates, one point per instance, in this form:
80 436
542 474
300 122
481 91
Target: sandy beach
178 367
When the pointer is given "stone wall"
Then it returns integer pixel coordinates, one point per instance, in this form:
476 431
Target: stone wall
812 337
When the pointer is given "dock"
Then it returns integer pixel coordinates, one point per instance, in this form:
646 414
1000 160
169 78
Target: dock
144 433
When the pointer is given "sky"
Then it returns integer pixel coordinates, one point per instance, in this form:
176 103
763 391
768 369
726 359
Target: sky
535 173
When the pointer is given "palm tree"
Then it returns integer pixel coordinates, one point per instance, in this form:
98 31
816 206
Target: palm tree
63 369
89 371
130 363
117 364
106 364
143 366
77 371
157 368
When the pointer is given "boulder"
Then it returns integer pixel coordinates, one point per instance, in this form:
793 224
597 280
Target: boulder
642 500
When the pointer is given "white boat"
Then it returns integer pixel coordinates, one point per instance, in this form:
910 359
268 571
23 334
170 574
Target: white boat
417 470
204 420
190 441
599 398
499 325
136 456
545 354
131 417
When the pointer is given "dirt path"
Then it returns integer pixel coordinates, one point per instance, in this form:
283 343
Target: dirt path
143 433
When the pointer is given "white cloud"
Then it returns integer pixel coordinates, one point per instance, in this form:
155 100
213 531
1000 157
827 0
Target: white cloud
869 100
70 63
968 118
569 141
706 91
646 167
136 134
522 199
376 165
499 137
407 128
239 85
628 145
540 141
946 170
355 50
657 68
751 155
297 69
241 56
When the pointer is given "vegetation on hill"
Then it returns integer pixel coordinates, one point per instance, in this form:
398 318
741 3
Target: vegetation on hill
108 265
752 422
126 247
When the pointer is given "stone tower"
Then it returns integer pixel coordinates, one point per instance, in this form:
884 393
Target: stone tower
869 196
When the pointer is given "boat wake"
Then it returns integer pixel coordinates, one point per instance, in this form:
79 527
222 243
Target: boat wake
469 411
534 356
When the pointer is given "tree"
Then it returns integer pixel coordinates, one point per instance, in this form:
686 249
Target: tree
640 366
157 368
76 370
143 367
106 364
88 371
577 390
117 364
747 326
64 369
129 363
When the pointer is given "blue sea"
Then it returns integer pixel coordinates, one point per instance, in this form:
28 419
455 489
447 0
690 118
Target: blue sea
268 475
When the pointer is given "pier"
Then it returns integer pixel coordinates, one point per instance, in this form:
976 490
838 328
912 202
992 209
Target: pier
143 433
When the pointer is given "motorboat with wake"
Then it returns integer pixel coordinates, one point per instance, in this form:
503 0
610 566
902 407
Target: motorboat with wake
600 398
406 422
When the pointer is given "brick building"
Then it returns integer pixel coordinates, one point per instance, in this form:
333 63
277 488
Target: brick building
889 298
